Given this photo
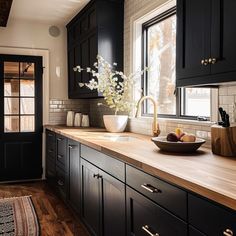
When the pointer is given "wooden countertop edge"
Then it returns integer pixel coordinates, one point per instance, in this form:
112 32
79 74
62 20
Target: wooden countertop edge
171 178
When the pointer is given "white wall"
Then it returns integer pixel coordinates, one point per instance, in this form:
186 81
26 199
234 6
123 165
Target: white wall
35 35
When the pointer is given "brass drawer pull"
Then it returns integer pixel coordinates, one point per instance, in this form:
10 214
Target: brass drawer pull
59 156
147 230
72 146
150 188
60 183
228 232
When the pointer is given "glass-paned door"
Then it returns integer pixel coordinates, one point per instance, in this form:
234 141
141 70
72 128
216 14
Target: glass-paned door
21 116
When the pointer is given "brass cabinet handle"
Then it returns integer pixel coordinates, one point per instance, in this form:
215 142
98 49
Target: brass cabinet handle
147 230
228 232
72 146
213 60
59 156
97 176
60 182
205 62
150 188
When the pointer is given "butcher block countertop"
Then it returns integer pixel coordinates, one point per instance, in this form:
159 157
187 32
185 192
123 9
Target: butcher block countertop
211 176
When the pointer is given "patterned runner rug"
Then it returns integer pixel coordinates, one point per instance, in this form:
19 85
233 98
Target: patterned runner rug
18 217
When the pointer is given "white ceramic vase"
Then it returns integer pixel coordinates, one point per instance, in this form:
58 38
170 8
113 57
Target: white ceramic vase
115 123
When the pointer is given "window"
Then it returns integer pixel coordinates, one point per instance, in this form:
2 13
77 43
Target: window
159 52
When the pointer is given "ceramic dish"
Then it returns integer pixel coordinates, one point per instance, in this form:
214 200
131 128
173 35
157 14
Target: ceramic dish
179 147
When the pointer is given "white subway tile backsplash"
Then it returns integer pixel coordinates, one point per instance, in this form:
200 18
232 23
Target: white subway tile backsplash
58 109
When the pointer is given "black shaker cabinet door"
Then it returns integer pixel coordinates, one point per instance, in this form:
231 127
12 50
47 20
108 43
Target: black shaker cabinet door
113 206
205 42
193 38
144 217
223 36
90 192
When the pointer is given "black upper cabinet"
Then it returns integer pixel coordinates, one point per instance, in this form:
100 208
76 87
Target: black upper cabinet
205 42
97 29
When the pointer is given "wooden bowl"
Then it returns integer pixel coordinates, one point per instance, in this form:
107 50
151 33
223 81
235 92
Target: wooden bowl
180 147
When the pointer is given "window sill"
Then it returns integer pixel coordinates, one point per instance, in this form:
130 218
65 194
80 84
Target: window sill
172 120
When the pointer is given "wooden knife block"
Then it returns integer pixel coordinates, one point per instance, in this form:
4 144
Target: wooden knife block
223 140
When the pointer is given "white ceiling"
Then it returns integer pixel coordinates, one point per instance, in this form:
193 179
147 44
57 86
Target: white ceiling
46 11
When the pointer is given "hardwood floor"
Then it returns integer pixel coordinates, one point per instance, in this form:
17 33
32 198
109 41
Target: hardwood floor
54 216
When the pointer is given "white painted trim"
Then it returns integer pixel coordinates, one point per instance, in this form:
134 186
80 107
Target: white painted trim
45 55
136 22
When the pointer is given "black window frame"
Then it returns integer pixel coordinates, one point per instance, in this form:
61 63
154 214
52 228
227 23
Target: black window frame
179 92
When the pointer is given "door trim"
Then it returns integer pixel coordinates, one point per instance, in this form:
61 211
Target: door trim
45 85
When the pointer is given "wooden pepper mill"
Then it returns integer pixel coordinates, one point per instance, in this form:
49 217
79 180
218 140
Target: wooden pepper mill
223 140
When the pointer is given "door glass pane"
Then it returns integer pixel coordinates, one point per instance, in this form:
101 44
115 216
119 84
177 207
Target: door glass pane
27 70
11 70
11 124
27 88
27 123
27 106
11 87
161 52
11 106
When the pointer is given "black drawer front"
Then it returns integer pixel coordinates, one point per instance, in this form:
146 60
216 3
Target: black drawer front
50 169
61 151
51 140
147 218
106 163
166 195
209 218
61 181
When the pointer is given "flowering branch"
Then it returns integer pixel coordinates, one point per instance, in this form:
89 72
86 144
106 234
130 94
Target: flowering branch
114 85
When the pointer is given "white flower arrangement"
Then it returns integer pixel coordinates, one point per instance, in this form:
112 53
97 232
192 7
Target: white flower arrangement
114 85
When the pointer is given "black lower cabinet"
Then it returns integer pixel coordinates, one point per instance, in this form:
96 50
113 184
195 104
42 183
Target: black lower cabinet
73 154
209 218
144 217
103 201
61 182
51 157
90 193
113 206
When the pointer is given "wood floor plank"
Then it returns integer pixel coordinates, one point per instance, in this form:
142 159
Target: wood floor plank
54 216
